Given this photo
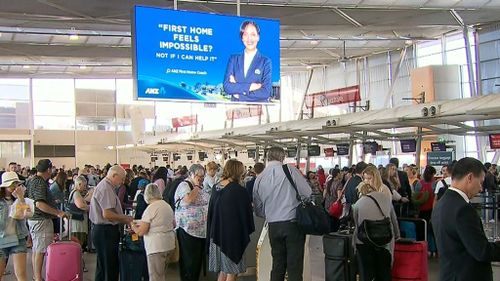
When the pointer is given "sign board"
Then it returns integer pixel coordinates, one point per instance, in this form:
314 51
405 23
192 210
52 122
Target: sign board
244 112
199 57
495 141
439 158
184 121
333 97
313 150
343 149
408 146
329 152
370 147
291 152
251 153
438 146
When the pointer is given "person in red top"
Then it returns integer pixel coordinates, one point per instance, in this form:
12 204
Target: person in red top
425 200
321 177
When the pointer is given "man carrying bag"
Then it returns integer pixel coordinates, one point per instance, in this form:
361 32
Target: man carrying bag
275 199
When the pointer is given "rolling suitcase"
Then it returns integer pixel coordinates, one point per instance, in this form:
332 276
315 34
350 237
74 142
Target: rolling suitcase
340 264
64 260
410 254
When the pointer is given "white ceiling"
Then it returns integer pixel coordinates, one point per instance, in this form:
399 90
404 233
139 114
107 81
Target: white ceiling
34 34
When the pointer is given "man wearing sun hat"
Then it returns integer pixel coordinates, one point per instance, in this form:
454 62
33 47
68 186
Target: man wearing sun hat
41 226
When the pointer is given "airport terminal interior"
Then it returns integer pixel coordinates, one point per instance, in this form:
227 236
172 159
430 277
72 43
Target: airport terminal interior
352 81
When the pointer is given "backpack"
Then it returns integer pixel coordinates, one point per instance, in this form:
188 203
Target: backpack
169 192
443 189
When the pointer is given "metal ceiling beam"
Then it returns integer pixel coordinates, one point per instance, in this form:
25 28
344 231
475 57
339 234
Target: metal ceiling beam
346 17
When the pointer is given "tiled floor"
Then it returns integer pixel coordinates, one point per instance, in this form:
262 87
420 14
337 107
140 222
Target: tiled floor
316 264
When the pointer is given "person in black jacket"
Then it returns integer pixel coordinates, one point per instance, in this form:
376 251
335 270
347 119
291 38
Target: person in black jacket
405 190
230 205
351 193
465 252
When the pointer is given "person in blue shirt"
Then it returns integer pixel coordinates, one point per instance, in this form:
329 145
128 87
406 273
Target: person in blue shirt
249 74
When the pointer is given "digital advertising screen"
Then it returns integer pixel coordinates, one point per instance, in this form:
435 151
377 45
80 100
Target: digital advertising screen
408 146
201 57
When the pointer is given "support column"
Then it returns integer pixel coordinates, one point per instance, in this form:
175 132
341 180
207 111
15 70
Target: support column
394 77
419 147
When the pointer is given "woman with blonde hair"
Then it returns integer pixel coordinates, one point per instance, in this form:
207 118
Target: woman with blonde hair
230 205
371 175
374 205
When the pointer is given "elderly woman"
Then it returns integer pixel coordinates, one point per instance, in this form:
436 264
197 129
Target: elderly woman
79 228
13 232
230 205
157 227
211 178
191 208
375 261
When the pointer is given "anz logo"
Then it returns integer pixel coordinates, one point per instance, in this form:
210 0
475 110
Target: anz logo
153 91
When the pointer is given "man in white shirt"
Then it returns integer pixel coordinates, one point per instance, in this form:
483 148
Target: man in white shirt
443 184
275 199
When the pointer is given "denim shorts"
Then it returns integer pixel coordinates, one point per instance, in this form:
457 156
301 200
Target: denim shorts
20 248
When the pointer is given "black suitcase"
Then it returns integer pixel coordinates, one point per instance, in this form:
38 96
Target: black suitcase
340 263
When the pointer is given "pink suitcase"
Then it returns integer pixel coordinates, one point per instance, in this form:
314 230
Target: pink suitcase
63 261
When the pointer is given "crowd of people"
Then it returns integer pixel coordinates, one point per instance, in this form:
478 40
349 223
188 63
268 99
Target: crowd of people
185 212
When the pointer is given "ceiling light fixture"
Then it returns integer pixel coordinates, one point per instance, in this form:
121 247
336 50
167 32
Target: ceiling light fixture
26 66
83 67
309 67
314 42
73 36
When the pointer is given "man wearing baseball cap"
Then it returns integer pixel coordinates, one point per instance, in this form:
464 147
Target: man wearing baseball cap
41 226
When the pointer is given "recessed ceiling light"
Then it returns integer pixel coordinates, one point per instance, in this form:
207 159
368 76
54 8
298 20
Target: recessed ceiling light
83 67
73 37
309 67
314 42
26 66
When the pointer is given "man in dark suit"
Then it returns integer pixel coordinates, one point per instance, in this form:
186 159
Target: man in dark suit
405 191
465 253
351 191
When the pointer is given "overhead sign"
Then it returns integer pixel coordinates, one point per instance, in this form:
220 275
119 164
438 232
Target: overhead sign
438 146
195 56
408 146
313 150
370 147
329 152
244 112
184 121
495 141
333 97
439 158
343 149
291 152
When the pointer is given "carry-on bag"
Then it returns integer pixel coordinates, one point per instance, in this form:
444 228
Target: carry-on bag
132 255
63 260
340 262
410 253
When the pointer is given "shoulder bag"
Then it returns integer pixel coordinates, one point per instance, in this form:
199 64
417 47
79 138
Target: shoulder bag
312 219
377 233
76 213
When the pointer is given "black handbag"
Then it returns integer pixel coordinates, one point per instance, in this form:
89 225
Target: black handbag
76 213
312 219
377 233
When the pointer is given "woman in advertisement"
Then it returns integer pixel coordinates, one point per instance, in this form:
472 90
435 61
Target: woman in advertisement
248 75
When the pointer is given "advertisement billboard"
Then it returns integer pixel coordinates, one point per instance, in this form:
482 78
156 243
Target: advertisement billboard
201 57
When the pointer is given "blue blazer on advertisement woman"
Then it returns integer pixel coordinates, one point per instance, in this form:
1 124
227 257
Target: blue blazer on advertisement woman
260 71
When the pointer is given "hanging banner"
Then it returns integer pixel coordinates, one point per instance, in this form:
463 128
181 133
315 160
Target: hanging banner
333 97
184 121
439 158
495 141
244 112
